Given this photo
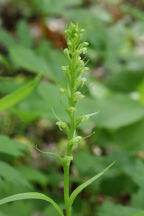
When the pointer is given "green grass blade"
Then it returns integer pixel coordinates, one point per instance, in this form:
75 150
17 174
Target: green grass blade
31 195
85 184
18 95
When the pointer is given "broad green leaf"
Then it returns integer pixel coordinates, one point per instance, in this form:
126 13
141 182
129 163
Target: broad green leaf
11 146
136 13
24 116
23 34
136 172
12 175
9 84
26 58
130 137
54 6
139 214
2 214
141 92
87 183
91 159
6 39
55 59
18 95
33 175
5 62
31 195
17 208
49 210
115 112
110 209
137 198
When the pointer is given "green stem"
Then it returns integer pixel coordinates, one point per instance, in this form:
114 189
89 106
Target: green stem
66 187
67 163
71 135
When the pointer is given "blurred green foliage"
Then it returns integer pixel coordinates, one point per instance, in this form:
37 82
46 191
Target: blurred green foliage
31 42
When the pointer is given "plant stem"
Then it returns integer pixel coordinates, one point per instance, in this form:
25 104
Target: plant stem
67 162
66 187
73 71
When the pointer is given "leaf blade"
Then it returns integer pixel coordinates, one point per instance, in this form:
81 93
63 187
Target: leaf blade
31 195
85 184
141 213
18 95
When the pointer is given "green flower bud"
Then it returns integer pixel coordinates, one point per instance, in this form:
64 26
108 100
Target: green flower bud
84 118
80 82
85 69
76 140
69 43
62 91
71 110
62 125
80 63
78 96
82 30
76 35
66 52
83 80
64 68
83 50
85 43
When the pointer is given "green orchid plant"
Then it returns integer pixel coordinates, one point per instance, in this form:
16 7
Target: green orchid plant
74 72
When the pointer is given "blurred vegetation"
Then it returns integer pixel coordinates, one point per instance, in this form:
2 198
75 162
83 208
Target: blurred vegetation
31 42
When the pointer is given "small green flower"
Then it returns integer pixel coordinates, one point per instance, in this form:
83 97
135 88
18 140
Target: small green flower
78 96
74 71
76 140
62 125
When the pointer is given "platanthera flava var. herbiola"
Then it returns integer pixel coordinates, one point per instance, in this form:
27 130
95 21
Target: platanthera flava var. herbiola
74 72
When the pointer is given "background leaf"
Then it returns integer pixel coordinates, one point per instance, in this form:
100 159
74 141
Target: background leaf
31 195
18 95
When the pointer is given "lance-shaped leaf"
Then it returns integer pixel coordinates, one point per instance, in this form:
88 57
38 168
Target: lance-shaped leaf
85 184
18 95
31 195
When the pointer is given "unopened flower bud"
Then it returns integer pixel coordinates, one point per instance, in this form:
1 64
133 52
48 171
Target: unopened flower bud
64 68
82 119
83 50
78 96
66 52
85 69
69 43
86 117
62 91
80 82
71 110
66 31
85 43
62 125
80 63
82 30
76 140
83 80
